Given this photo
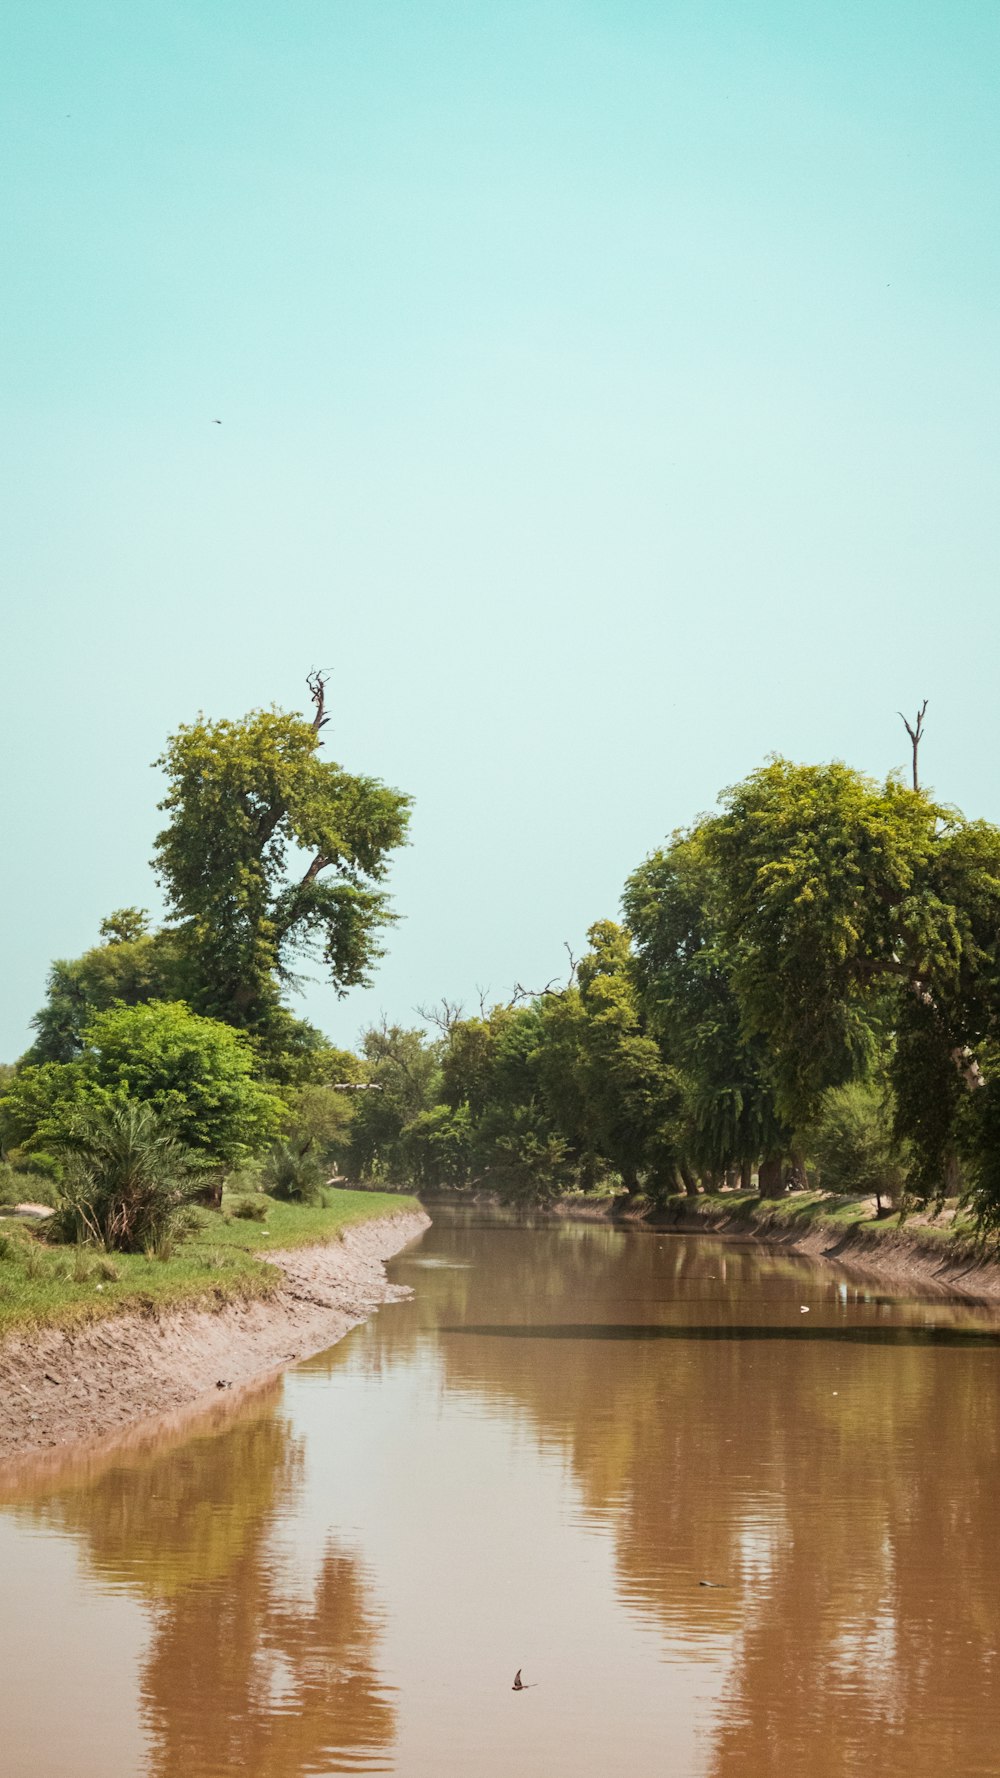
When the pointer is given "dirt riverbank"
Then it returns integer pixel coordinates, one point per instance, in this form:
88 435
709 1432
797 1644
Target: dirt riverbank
65 1387
925 1253
921 1253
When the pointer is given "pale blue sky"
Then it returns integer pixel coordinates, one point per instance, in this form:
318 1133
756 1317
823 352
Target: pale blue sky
609 397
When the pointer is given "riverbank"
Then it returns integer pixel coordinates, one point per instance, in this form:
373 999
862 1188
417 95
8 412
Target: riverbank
75 1380
934 1252
938 1252
219 1259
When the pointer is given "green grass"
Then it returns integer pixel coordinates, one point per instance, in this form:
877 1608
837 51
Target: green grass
305 1225
954 1235
51 1286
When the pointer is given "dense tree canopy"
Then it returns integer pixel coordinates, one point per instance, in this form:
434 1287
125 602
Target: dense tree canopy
271 854
132 965
824 929
632 1097
683 962
196 1072
833 886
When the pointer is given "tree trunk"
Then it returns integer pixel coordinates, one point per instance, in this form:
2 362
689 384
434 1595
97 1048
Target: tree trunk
770 1178
211 1193
797 1175
746 1176
688 1180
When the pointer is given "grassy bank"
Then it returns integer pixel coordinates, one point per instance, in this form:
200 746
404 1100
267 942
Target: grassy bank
222 1261
947 1235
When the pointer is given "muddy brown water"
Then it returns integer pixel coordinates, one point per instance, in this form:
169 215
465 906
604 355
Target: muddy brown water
536 1463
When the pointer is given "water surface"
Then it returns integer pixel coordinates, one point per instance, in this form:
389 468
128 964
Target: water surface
536 1463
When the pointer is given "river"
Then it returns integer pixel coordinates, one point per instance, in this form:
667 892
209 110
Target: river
537 1463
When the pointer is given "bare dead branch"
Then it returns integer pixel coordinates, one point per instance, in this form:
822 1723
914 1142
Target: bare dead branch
915 732
446 1015
317 681
520 994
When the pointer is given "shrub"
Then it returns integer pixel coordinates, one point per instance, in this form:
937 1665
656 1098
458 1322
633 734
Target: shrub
293 1170
250 1209
245 1179
854 1146
194 1070
127 1179
20 1185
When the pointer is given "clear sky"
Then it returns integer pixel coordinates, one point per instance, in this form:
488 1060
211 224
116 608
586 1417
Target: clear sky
608 395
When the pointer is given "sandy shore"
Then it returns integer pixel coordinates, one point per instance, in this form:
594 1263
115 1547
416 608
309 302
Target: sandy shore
63 1388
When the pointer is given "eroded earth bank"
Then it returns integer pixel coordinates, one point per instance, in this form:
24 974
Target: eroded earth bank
62 1387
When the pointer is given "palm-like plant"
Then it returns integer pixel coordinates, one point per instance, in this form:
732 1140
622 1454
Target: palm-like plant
294 1171
127 1177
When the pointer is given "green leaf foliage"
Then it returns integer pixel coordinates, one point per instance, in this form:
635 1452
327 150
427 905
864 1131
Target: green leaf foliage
834 886
196 1072
436 1148
684 967
854 1147
271 854
294 1171
127 1178
404 1074
632 1096
131 968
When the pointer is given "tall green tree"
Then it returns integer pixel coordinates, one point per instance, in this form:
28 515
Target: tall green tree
633 1097
684 962
271 854
518 1149
849 904
403 1079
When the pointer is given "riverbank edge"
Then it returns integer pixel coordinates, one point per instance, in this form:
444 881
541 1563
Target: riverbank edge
843 1230
911 1254
72 1387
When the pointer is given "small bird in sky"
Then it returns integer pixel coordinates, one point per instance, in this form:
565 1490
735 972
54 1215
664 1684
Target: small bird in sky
517 1685
216 422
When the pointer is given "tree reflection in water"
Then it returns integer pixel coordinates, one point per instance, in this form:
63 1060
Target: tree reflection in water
243 1675
841 1484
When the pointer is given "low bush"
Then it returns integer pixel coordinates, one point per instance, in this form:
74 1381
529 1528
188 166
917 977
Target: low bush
249 1209
293 1171
127 1182
854 1147
20 1185
246 1179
